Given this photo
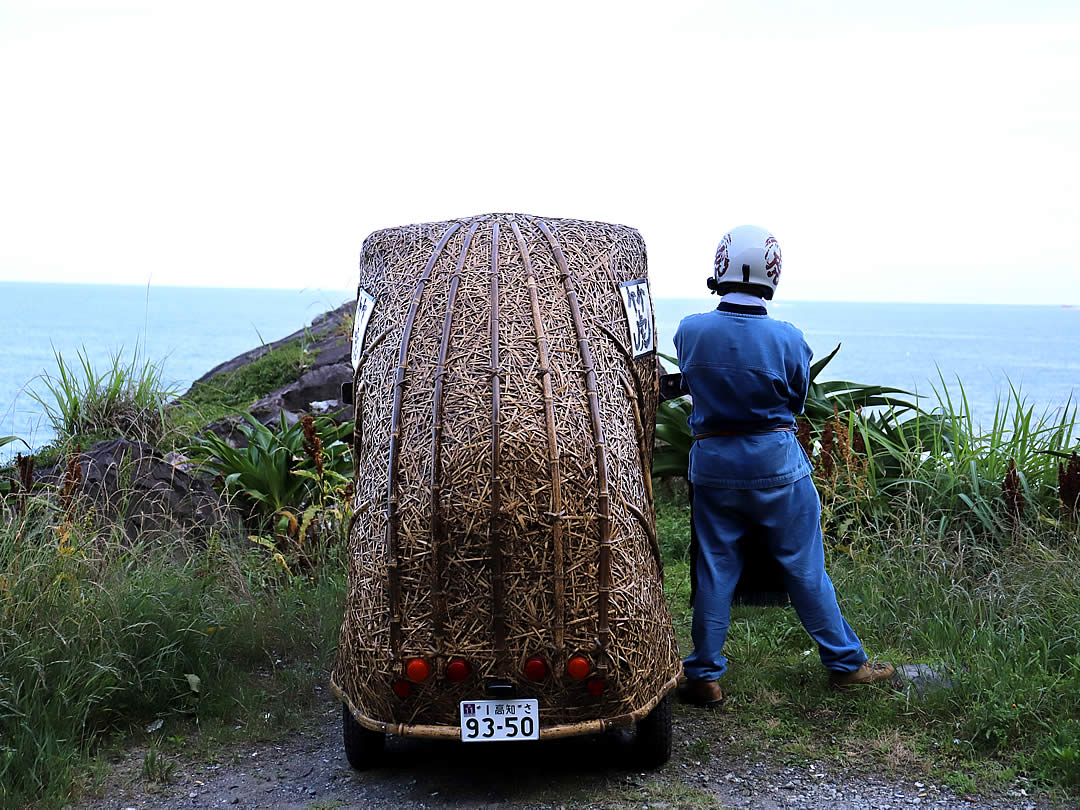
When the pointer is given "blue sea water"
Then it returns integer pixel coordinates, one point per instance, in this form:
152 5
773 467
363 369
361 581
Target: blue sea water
185 330
190 330
989 350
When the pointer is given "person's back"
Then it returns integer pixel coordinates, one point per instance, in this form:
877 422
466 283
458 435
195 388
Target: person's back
748 377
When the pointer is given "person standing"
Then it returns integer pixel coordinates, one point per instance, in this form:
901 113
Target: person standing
748 376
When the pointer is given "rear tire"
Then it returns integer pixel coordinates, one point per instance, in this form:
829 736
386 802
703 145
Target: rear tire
364 748
652 736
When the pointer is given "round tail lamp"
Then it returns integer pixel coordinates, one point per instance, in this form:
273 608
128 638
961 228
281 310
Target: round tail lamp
457 669
536 669
417 670
596 686
578 667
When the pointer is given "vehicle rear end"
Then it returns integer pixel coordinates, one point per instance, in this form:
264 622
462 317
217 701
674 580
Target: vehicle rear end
505 579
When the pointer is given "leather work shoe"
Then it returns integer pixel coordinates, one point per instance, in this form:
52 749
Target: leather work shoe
700 693
867 673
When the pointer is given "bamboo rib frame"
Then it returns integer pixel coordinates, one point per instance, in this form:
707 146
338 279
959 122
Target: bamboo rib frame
503 500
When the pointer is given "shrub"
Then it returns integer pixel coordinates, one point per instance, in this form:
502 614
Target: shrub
98 635
125 399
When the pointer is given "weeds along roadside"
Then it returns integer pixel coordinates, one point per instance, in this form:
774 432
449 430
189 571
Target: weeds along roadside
101 635
932 562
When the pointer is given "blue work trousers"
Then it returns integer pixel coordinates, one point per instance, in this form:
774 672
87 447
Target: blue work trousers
789 518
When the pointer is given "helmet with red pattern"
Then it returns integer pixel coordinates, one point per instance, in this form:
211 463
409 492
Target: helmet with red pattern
747 260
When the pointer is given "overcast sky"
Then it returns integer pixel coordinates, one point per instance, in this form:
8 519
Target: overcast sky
927 153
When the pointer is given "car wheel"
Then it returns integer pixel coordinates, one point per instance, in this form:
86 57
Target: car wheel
363 747
652 737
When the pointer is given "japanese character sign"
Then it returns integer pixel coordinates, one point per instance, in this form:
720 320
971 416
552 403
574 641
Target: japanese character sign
364 306
639 316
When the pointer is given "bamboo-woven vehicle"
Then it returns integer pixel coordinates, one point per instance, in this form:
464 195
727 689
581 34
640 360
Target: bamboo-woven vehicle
505 580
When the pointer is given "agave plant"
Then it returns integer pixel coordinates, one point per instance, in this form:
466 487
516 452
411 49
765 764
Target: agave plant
276 472
879 431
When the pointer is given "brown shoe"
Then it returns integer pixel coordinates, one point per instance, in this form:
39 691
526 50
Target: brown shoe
867 673
700 693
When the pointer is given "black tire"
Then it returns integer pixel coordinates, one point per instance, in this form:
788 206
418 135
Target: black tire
652 737
364 748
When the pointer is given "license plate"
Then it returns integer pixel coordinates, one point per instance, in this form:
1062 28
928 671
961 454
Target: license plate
488 720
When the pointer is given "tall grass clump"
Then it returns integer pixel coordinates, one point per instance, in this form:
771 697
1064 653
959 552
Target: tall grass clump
99 635
978 567
1001 622
986 481
125 398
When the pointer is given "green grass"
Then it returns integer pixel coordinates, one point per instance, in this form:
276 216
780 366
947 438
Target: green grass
231 392
98 638
1001 619
99 635
128 398
85 403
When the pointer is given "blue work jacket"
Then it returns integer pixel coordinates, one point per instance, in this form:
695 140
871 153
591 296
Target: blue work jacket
747 374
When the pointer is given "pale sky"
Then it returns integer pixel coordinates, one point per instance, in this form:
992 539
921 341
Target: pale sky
929 152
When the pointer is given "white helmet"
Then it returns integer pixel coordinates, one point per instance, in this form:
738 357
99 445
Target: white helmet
747 260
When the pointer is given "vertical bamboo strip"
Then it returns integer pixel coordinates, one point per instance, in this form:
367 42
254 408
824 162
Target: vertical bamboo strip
603 568
438 530
496 553
392 505
557 512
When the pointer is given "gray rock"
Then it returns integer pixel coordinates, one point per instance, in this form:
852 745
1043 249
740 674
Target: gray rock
324 329
318 390
133 482
921 679
323 382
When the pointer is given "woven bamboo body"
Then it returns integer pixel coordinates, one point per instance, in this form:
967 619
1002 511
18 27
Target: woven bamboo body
503 494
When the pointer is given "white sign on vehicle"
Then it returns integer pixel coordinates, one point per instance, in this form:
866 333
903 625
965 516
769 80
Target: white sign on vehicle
364 305
639 315
488 720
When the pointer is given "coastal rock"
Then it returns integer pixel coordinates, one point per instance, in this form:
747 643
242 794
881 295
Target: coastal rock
318 391
324 331
133 482
921 679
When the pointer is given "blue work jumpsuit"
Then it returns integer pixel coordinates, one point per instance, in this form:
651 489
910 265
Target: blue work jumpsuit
748 376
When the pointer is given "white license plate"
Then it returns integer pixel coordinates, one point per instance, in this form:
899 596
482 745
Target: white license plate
488 720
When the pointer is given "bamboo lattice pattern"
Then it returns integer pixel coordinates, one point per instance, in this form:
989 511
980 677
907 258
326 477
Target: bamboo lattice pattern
503 500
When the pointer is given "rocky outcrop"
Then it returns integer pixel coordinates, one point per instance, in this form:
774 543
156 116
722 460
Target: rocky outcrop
134 484
323 330
318 391
157 495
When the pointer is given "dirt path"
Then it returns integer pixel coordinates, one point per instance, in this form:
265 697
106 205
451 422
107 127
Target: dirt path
308 771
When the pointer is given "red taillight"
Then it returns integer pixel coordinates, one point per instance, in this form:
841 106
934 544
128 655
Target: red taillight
417 670
402 689
536 669
457 669
578 667
596 686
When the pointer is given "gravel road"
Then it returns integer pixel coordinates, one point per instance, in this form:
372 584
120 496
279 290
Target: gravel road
308 771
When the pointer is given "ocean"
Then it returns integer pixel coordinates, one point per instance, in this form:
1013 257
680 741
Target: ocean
189 330
922 347
185 330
